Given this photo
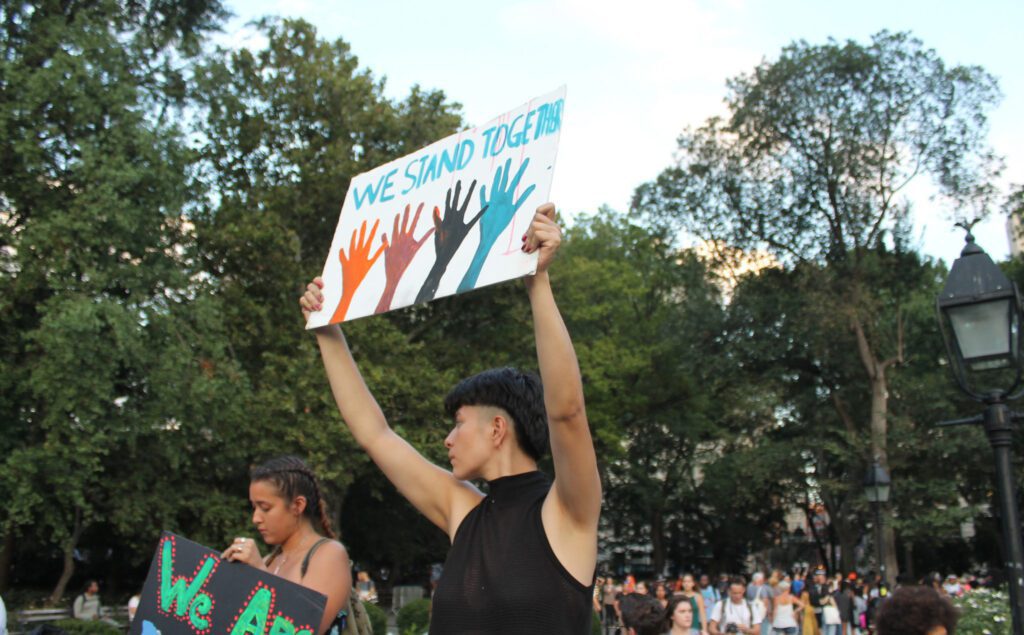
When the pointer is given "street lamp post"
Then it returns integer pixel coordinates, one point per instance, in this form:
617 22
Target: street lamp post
980 318
876 488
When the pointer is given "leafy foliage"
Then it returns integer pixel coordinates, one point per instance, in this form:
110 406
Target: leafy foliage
378 617
87 627
984 612
414 616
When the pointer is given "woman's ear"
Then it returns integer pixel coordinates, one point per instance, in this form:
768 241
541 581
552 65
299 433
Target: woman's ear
298 505
499 429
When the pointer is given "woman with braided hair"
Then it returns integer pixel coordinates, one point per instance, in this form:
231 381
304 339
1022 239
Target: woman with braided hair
291 515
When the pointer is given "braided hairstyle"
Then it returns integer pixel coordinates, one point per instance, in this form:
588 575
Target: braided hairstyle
292 477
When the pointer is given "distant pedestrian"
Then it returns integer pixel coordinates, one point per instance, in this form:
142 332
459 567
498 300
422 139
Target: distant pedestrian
759 594
787 611
700 610
661 593
87 605
733 614
133 607
709 593
680 617
608 599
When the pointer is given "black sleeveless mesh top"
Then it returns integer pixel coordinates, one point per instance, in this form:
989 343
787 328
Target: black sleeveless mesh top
501 575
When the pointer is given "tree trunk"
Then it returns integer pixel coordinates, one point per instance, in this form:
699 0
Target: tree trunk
6 555
879 424
908 558
892 561
847 545
69 561
658 542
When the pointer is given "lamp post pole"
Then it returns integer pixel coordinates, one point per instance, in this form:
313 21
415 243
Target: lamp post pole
876 487
982 321
880 542
998 422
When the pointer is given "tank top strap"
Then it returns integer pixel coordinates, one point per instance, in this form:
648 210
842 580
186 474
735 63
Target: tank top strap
309 554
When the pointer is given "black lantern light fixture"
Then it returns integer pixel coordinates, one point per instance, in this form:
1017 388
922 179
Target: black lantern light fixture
877 484
980 318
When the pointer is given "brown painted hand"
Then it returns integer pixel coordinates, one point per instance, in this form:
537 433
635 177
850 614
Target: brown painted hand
399 253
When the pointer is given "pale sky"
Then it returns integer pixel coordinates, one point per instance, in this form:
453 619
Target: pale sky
638 72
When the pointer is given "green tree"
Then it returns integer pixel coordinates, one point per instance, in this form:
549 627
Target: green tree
812 165
284 129
642 315
92 188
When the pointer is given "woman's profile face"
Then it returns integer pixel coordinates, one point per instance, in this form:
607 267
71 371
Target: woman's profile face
469 444
682 616
272 515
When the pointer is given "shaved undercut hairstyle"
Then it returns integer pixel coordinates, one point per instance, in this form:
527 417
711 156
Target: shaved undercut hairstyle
519 394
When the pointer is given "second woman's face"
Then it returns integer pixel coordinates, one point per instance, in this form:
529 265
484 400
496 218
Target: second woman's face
683 615
272 515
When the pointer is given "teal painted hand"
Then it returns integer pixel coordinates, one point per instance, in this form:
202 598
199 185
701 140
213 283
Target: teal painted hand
501 208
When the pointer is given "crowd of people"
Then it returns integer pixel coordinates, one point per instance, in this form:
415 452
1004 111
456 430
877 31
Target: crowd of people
798 602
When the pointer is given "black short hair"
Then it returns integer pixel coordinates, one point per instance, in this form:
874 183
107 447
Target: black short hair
915 610
643 613
519 394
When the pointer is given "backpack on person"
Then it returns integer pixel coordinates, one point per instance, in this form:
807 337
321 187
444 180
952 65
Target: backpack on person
358 622
355 619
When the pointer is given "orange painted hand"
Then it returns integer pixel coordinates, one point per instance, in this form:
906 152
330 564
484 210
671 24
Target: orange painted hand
355 266
399 253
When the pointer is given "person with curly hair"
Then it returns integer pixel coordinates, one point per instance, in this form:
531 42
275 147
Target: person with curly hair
916 610
642 614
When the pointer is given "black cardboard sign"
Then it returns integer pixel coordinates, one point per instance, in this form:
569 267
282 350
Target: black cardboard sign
191 591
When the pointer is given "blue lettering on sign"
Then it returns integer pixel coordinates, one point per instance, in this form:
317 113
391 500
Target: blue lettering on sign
430 167
549 119
543 120
372 191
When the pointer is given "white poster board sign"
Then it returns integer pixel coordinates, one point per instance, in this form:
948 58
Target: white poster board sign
445 219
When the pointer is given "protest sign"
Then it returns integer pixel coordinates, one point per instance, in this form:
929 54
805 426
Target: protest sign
445 219
191 591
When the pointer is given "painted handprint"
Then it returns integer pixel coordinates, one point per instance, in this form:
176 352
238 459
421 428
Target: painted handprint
355 266
502 208
399 253
451 231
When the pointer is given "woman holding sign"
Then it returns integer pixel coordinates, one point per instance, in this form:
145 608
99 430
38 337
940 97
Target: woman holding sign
290 513
523 556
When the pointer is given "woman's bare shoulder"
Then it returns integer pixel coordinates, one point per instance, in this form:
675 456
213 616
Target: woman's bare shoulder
330 549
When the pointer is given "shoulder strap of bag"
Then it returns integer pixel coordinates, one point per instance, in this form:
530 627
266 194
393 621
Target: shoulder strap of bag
309 554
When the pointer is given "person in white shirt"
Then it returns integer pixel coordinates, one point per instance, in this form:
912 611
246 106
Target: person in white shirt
734 615
952 586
